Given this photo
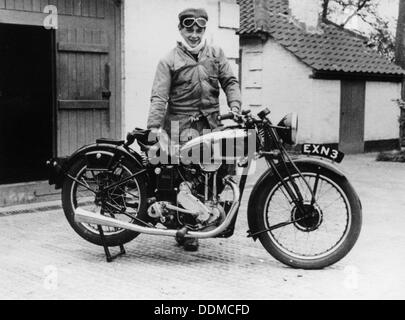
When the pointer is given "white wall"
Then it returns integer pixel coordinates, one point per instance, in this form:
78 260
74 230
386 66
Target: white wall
381 113
272 77
150 32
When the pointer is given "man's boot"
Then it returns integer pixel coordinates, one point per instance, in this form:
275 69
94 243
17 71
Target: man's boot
190 244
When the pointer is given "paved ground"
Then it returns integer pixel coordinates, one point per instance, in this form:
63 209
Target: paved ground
42 258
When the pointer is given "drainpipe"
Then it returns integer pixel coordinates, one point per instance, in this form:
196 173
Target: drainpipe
400 60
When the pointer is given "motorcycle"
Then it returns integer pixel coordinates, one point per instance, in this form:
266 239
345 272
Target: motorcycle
303 209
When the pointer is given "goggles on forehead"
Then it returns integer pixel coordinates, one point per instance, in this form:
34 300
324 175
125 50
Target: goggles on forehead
189 22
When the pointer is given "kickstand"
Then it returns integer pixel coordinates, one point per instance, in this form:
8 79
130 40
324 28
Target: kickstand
108 255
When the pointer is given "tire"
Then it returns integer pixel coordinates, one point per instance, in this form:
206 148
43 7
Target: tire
310 231
71 192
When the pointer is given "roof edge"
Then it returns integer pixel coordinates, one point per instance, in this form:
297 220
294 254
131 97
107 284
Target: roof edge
352 33
342 75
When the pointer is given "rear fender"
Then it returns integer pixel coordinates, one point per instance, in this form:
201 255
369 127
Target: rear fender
269 175
98 156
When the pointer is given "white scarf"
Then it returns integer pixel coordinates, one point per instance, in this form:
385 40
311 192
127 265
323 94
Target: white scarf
195 50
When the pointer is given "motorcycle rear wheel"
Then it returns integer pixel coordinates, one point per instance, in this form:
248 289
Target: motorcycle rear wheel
318 241
130 196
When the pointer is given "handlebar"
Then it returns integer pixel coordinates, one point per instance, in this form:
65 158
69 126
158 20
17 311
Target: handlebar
233 115
227 116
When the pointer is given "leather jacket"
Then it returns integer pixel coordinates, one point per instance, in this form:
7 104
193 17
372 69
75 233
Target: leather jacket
186 89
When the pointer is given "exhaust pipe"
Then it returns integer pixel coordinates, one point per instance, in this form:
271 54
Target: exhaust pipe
84 216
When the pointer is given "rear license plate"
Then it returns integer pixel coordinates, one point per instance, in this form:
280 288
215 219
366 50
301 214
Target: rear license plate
323 151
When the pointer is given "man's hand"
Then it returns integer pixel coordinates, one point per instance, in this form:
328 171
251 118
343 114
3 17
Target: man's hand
235 109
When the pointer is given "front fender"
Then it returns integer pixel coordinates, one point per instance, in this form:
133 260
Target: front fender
268 175
98 156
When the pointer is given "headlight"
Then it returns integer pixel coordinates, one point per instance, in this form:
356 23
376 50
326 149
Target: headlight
288 132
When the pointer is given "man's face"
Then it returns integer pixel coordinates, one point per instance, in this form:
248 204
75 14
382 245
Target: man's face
193 35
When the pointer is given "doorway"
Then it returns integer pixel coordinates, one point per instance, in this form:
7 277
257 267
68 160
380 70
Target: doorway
352 108
26 102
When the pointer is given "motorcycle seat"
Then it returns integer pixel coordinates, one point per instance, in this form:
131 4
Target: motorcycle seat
141 135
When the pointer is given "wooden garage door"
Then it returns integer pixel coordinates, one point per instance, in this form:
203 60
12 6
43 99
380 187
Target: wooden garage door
88 61
88 81
352 106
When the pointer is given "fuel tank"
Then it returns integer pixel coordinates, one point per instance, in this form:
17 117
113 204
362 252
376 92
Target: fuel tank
227 146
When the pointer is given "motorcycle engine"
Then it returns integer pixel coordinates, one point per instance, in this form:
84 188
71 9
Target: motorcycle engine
204 212
195 203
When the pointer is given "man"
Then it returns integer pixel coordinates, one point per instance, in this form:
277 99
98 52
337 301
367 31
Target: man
186 87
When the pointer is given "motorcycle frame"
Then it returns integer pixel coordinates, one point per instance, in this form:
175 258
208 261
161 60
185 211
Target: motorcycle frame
282 169
295 195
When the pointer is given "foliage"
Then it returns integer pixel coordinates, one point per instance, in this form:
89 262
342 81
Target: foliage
383 40
380 36
391 156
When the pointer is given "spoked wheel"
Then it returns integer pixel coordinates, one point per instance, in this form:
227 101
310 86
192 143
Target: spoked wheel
322 235
126 202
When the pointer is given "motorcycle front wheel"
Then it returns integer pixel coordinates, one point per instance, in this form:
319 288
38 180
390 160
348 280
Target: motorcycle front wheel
318 240
126 202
